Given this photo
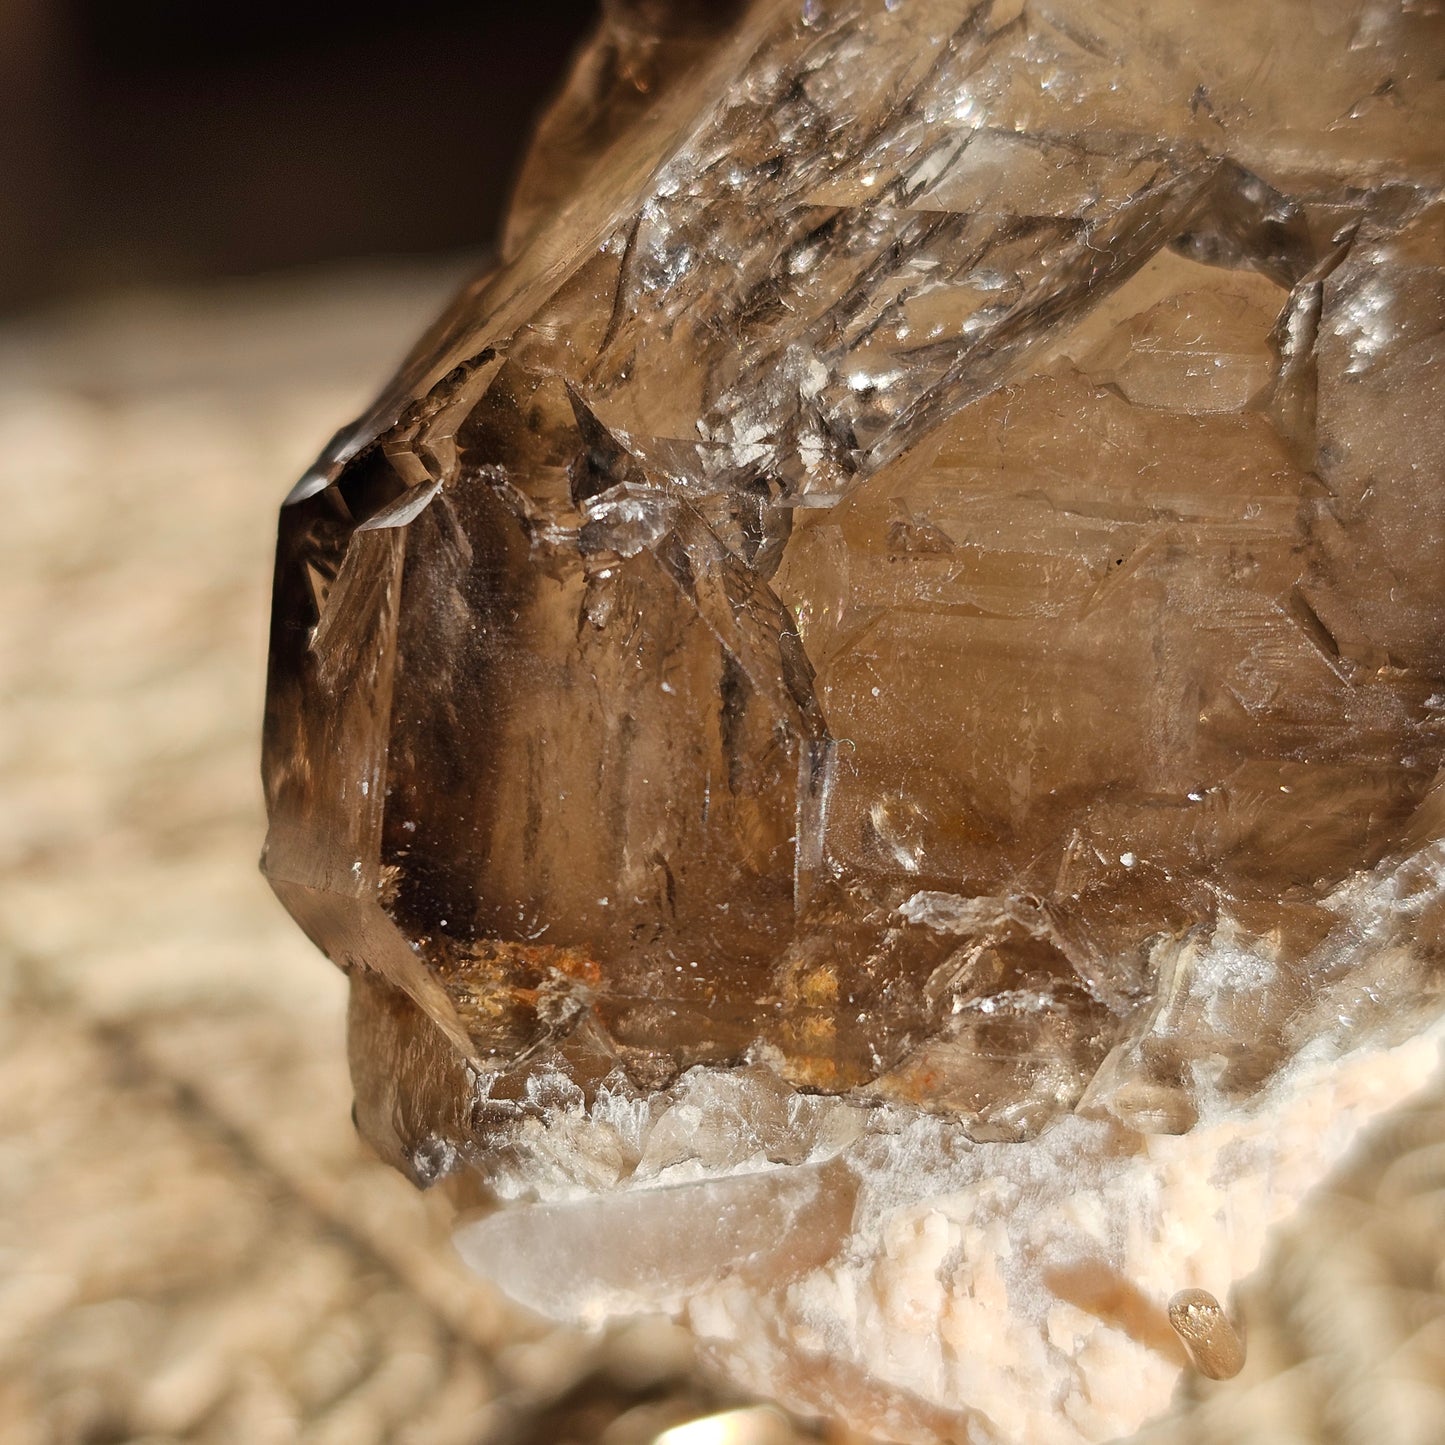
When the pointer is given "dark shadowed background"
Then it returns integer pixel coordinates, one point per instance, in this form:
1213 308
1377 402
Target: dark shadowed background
165 140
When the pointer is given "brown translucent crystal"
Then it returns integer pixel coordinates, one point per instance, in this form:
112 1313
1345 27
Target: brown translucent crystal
921 569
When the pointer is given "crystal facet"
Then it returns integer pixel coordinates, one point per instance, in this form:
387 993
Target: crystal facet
916 582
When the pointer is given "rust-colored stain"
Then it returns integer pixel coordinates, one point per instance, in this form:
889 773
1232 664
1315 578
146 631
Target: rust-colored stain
518 965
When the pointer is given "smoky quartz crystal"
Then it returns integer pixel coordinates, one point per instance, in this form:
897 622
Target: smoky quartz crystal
918 578
941 519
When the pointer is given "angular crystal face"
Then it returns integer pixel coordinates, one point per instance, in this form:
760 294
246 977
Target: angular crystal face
921 568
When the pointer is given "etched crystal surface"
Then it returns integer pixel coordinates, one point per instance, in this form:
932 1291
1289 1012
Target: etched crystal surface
916 581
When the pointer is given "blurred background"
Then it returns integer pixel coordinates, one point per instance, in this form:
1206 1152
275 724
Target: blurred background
219 227
152 141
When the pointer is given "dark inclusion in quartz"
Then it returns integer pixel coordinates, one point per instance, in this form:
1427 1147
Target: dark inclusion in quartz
922 566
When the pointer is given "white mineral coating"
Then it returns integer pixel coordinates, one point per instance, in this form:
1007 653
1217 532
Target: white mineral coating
1025 1285
930 1287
